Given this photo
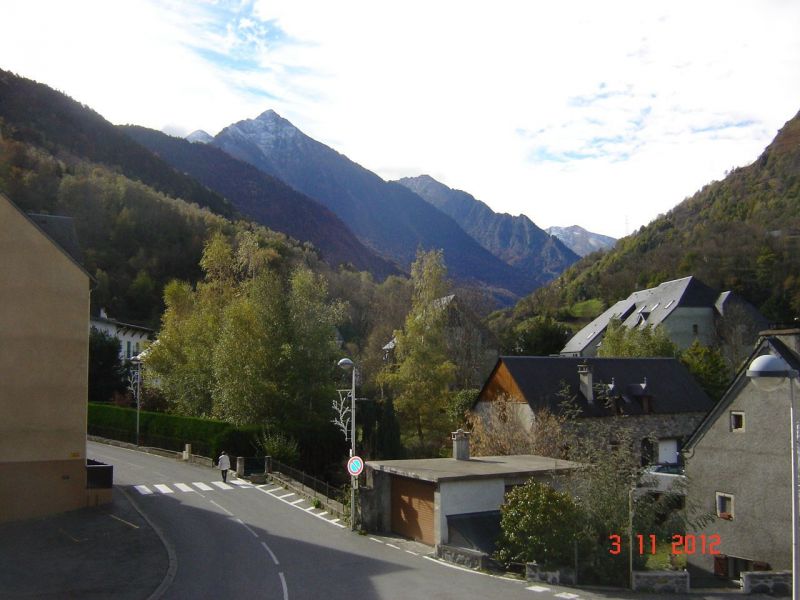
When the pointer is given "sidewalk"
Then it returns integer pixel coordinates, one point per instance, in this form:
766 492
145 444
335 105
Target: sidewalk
103 552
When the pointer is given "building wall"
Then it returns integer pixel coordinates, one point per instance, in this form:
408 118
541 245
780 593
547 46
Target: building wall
127 336
680 326
470 496
754 466
44 312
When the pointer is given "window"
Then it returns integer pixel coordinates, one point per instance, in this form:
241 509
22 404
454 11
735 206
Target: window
737 420
695 329
128 349
724 506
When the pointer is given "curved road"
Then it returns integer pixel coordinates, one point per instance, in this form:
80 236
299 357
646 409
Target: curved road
261 542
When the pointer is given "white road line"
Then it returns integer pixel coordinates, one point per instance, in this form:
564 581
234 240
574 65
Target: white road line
324 512
376 540
410 552
296 501
393 546
334 521
164 489
246 526
241 483
202 486
143 490
538 588
222 485
273 490
285 589
221 508
308 510
285 496
271 553
567 595
183 487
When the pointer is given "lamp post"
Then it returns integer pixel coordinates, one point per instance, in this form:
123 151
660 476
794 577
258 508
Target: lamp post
345 364
136 361
768 372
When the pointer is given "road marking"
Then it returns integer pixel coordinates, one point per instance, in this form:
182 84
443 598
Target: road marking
308 510
164 489
222 485
334 521
143 490
273 490
183 487
202 486
221 507
538 588
296 501
324 512
241 483
567 595
393 546
376 540
124 521
285 589
410 552
246 526
271 553
285 496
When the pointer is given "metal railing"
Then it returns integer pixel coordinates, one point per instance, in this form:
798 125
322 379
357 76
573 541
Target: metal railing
308 482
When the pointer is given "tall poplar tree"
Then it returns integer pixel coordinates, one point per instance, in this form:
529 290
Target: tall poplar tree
422 374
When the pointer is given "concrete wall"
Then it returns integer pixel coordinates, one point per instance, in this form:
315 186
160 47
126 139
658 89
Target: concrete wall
754 466
679 325
44 347
470 496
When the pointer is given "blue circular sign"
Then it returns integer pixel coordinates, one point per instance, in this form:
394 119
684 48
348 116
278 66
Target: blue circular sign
355 465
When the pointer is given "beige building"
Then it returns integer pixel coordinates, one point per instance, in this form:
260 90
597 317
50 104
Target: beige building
44 313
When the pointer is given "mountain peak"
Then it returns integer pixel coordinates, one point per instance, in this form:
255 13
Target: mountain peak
199 136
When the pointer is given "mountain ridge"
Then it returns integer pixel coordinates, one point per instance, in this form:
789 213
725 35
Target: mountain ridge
385 216
516 240
580 240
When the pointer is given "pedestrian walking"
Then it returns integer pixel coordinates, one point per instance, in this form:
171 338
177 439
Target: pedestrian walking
224 463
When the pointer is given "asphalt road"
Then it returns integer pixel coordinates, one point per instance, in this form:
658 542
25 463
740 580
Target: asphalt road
260 542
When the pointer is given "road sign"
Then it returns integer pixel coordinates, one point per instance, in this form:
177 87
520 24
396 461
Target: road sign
355 465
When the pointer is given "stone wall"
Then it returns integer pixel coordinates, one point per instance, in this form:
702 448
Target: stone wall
776 583
661 582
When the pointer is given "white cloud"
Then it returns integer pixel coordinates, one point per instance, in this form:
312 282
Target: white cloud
575 111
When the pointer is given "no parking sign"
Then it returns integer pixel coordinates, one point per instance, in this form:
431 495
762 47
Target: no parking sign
355 465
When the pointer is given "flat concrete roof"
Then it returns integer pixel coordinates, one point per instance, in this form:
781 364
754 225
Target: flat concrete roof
478 467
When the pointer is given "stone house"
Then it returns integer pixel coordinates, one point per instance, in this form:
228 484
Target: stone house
689 310
656 399
738 463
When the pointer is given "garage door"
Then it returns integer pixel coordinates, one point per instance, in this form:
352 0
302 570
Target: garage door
412 508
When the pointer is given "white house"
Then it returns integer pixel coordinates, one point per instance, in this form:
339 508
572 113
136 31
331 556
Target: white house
131 337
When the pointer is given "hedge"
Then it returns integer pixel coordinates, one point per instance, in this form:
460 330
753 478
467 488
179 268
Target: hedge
208 437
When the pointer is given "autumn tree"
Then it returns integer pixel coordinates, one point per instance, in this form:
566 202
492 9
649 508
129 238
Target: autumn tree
422 373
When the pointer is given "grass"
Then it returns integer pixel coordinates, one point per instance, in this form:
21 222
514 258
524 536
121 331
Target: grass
588 309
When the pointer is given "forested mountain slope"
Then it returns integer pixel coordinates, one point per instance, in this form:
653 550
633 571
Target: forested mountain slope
741 233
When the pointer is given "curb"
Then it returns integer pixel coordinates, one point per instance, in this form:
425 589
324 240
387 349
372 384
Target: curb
173 558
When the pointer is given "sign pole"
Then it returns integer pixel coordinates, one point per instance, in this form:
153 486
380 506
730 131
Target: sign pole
353 479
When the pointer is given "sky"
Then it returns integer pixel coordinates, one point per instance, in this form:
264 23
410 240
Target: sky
603 114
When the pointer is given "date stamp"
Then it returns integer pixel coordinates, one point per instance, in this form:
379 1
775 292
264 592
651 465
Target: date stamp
688 544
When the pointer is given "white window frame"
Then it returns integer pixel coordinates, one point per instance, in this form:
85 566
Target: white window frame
737 413
720 495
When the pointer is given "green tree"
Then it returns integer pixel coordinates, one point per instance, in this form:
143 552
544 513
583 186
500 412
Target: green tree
708 367
539 524
106 371
620 341
422 374
539 336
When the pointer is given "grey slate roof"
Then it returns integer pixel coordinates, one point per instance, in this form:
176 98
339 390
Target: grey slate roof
627 380
646 307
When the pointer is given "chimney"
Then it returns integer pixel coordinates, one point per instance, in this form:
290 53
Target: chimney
585 375
460 445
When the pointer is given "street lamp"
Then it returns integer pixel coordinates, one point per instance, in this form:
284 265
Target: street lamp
768 373
137 361
346 364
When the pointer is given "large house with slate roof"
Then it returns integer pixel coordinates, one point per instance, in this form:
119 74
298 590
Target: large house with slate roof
738 462
656 398
689 310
